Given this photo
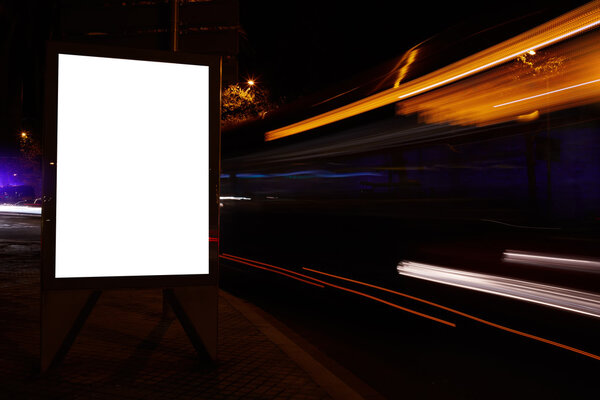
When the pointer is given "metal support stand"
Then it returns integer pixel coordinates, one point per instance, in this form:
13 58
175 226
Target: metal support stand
196 309
63 314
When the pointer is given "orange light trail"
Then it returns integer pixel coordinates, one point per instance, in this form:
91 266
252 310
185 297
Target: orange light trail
547 93
271 270
253 263
492 324
383 289
579 20
270 266
392 304
564 76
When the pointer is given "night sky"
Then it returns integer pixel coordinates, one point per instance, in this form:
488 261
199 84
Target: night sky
298 46
292 47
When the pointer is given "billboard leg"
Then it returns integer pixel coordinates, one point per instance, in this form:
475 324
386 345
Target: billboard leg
166 309
62 316
196 310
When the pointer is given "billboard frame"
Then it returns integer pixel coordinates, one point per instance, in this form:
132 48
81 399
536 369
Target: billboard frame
49 162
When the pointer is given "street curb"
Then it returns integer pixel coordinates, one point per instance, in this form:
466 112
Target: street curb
337 388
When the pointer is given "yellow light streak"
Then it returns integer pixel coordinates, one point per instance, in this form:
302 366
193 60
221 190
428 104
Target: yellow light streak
412 55
547 93
561 77
579 20
529 117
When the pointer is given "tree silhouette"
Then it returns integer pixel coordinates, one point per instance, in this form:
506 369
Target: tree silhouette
240 104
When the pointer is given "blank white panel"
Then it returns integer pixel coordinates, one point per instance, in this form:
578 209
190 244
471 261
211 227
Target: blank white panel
132 168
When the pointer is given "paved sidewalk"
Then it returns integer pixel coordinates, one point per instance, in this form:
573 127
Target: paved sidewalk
128 350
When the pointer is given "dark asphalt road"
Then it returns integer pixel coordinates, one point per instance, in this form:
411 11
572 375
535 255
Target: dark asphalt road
399 354
20 227
403 355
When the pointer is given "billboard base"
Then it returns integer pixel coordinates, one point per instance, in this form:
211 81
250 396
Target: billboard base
64 312
196 308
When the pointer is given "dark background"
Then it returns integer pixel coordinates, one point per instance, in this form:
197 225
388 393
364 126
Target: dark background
298 47
292 48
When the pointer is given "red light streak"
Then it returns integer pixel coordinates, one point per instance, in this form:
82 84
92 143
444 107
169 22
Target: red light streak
213 239
252 263
271 270
492 324
392 305
271 266
386 290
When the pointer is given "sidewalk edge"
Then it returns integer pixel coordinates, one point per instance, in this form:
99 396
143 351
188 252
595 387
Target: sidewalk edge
323 376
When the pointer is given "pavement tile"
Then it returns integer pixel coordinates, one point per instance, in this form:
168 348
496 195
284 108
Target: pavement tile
128 350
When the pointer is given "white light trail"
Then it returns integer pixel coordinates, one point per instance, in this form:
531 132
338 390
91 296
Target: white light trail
552 261
548 295
547 93
234 198
9 208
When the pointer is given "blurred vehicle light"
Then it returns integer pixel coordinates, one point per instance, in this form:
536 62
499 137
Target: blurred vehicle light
553 261
548 295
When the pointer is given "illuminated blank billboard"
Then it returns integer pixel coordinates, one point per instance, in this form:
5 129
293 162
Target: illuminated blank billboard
131 168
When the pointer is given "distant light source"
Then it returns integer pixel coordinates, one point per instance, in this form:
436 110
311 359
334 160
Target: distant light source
531 52
250 82
24 135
